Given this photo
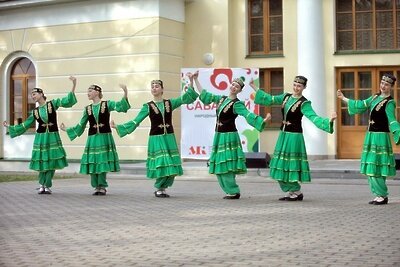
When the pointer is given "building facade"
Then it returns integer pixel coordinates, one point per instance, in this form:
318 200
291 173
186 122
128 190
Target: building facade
344 44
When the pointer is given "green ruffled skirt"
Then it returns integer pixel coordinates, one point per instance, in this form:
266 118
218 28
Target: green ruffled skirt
48 152
100 155
377 157
163 158
227 154
289 162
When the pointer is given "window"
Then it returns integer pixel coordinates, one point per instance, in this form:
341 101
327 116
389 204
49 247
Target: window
361 84
355 85
367 25
271 81
22 81
265 27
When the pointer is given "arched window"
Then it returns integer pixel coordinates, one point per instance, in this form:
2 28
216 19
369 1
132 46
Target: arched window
23 80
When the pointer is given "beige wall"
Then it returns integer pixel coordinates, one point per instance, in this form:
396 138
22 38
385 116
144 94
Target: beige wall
206 31
133 51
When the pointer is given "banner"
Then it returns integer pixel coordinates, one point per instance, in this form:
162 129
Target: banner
198 120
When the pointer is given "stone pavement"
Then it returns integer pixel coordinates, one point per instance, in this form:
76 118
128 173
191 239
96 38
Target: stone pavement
347 169
333 226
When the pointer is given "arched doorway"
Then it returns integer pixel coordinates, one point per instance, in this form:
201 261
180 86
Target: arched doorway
22 81
19 77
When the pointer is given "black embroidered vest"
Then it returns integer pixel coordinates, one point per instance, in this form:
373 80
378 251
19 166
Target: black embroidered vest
103 124
226 118
378 121
160 124
51 124
292 123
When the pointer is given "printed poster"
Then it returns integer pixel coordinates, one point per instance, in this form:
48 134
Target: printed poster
198 120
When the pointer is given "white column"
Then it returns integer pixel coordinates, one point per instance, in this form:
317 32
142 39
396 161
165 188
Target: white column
310 45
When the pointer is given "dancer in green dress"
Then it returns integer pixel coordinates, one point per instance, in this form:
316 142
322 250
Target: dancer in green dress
289 165
163 158
227 157
377 159
100 154
48 153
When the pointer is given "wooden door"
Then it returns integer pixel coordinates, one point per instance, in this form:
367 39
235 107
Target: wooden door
359 83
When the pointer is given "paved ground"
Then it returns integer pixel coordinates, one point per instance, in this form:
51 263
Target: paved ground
333 226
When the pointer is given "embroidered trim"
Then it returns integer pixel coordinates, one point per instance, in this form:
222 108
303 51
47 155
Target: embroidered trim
227 107
388 79
103 107
36 113
47 124
98 125
164 126
220 102
285 100
89 110
296 105
49 108
300 80
154 107
167 106
379 106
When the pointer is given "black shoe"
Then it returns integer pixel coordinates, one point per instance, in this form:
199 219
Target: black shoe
102 191
96 191
235 196
300 197
47 191
160 193
291 198
372 202
383 202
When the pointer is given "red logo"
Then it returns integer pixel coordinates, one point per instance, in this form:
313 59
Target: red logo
197 150
222 85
